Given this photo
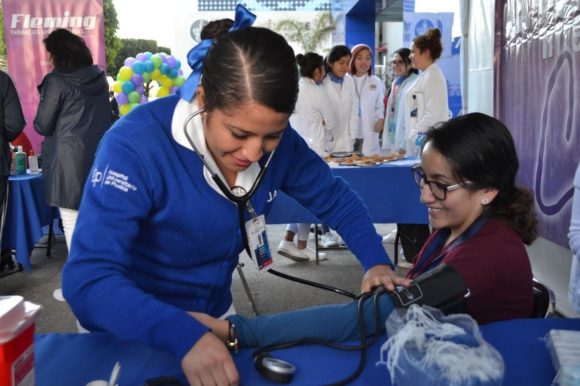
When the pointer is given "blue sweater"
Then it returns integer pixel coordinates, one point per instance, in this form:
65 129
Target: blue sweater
154 240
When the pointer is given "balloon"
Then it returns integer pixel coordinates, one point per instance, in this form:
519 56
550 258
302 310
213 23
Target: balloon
129 61
149 66
173 73
166 81
170 61
146 77
122 99
127 87
162 92
155 74
179 81
164 68
141 57
138 67
125 73
137 80
156 59
117 87
134 97
124 109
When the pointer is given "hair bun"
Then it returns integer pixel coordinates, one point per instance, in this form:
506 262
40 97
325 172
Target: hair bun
433 33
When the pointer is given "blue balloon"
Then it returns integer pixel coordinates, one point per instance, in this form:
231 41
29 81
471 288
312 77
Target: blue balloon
127 87
149 66
164 68
138 67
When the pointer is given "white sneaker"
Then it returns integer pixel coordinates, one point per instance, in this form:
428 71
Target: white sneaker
328 240
403 263
289 250
390 238
57 294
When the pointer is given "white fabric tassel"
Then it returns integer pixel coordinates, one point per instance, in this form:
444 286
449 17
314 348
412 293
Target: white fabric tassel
426 332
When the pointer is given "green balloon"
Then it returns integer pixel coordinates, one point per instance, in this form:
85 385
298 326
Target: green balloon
134 97
156 59
146 77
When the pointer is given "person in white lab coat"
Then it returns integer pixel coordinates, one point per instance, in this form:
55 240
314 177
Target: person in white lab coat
308 121
394 138
340 93
369 95
426 100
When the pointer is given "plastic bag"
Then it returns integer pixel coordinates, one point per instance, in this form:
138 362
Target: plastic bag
564 349
428 348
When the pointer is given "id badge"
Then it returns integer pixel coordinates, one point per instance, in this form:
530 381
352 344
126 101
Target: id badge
258 241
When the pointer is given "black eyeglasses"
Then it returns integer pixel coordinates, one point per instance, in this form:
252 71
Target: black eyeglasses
439 190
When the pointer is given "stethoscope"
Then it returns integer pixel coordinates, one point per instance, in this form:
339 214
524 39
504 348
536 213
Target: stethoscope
241 198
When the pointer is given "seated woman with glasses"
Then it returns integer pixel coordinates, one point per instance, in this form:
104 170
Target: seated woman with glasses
481 219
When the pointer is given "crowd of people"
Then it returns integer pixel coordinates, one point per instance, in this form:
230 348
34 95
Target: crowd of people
151 254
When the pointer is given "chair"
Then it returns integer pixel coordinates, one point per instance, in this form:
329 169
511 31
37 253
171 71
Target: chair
544 300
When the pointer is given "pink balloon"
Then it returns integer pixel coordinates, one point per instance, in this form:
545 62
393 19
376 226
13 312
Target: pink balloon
129 61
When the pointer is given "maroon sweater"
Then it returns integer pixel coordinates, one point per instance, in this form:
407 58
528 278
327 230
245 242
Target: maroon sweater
496 268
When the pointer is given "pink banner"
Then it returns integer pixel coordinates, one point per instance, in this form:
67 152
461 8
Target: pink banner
26 24
537 97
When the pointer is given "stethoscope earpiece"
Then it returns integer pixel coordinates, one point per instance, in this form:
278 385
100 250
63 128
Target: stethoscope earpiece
275 370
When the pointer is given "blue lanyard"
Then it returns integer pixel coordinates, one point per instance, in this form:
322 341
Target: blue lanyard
423 264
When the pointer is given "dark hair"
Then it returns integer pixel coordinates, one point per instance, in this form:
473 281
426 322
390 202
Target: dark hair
250 64
335 54
67 50
308 63
215 28
405 54
430 40
479 148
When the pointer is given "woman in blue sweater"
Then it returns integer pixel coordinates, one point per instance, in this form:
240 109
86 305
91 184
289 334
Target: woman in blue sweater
158 233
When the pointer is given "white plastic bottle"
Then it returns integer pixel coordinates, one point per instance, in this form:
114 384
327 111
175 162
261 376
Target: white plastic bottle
33 163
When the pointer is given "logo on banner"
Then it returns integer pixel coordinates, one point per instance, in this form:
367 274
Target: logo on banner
24 23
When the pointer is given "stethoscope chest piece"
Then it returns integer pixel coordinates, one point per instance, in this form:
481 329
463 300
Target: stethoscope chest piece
276 370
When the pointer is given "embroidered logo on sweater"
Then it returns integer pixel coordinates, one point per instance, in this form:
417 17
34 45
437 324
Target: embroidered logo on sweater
111 178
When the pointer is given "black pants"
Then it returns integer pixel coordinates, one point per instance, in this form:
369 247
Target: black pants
412 237
5 254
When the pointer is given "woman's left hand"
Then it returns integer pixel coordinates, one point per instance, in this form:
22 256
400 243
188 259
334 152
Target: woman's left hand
379 125
382 275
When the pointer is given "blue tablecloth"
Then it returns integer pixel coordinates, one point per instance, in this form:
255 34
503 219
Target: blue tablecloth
388 190
75 359
27 213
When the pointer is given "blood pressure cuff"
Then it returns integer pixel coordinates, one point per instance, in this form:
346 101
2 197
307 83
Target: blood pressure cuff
441 287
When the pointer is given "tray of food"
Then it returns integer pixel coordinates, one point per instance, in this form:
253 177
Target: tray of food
355 159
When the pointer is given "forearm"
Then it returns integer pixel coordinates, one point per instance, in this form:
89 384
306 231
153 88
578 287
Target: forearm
333 323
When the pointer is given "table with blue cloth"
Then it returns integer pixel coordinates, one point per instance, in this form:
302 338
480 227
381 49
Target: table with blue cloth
75 359
26 214
388 190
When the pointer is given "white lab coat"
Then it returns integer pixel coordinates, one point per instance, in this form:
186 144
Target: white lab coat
343 120
399 139
310 114
370 94
425 104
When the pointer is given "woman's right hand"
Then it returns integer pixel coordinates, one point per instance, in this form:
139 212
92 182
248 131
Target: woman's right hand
209 363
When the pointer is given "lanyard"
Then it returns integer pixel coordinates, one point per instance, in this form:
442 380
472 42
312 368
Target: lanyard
237 194
424 263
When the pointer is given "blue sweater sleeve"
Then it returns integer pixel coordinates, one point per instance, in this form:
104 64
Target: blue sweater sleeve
333 323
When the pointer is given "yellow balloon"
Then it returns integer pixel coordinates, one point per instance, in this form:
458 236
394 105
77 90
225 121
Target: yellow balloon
155 74
163 91
125 73
124 109
117 87
166 81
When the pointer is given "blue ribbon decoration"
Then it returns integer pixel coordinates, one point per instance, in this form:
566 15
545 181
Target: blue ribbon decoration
197 54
